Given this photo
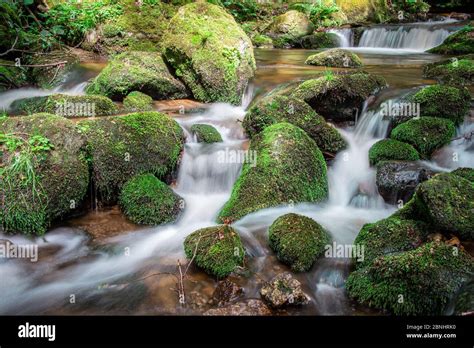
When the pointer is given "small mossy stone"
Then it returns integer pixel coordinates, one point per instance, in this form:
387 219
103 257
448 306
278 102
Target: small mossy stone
206 133
336 58
461 42
457 71
138 101
319 40
389 149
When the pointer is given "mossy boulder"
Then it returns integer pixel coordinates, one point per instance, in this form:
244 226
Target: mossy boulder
68 106
11 76
339 96
289 168
145 72
44 172
50 76
390 236
146 200
217 250
209 52
206 133
319 40
389 149
453 71
416 282
360 11
297 240
336 58
425 134
466 173
124 146
461 42
443 101
279 108
447 202
138 101
262 41
288 27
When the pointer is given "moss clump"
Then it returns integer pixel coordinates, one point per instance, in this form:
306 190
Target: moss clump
426 134
124 146
336 58
279 108
339 96
138 101
218 249
44 173
443 101
319 40
415 282
390 236
206 133
145 72
287 28
461 42
263 41
466 173
11 76
297 240
67 105
289 168
146 200
454 71
209 52
389 149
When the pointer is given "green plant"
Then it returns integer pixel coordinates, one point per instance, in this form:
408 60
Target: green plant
317 12
241 10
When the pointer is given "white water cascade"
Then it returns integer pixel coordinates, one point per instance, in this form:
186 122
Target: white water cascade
345 36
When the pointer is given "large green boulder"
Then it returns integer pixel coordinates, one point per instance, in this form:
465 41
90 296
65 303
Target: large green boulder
389 149
335 58
289 168
416 282
461 42
124 146
443 101
453 71
279 108
44 172
209 52
297 240
205 133
146 200
339 97
217 250
288 27
425 134
145 72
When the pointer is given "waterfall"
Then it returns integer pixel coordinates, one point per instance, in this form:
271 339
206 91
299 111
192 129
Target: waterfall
345 36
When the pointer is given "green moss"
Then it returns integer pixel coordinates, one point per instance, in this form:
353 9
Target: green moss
461 42
206 133
297 240
11 76
218 250
145 72
454 71
466 173
443 101
336 58
415 282
278 108
209 52
289 168
138 101
319 40
124 146
146 200
261 40
426 134
45 173
389 149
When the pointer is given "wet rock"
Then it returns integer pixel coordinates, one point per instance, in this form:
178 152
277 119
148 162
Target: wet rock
461 42
452 71
336 57
244 308
319 40
389 149
206 133
397 180
287 28
283 290
137 101
226 291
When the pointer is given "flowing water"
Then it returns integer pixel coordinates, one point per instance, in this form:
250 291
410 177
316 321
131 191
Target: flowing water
131 272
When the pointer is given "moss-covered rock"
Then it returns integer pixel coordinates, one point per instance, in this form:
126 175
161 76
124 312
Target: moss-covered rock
339 96
68 106
415 282
426 134
287 28
209 52
146 200
297 240
11 76
44 173
447 202
358 11
289 168
262 41
319 40
466 173
279 108
389 149
206 133
145 72
124 146
461 42
390 236
336 58
218 250
50 76
138 101
443 101
453 71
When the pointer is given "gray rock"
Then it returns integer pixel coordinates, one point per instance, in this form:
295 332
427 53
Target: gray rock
283 290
